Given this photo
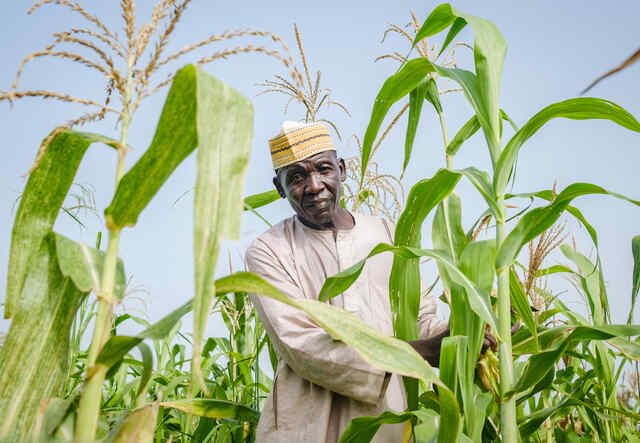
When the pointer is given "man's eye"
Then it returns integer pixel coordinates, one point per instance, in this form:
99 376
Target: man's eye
295 178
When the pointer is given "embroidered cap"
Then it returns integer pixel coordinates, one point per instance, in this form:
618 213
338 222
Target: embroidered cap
297 141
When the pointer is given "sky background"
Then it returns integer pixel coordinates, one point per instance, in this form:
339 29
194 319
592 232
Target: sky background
555 49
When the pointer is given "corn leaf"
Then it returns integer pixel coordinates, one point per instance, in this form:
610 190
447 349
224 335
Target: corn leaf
363 429
477 298
214 408
202 112
262 199
393 89
35 355
539 364
84 265
138 426
490 48
463 134
416 100
590 280
404 281
575 109
41 202
538 220
635 250
383 352
447 234
521 305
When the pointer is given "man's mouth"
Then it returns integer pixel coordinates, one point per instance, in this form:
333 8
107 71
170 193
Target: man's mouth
319 204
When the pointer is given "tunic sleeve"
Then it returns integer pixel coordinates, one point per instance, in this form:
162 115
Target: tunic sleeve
310 351
429 324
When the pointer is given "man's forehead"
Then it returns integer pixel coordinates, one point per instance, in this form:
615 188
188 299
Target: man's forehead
321 156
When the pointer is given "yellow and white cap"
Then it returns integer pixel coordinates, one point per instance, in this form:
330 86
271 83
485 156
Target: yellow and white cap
297 141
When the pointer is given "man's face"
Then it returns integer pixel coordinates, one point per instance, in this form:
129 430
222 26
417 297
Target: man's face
312 187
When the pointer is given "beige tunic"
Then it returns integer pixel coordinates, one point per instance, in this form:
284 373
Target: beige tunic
321 384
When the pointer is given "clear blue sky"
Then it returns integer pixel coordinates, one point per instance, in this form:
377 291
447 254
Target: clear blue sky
555 50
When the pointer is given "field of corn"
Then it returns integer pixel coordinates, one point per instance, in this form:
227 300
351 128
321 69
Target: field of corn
84 358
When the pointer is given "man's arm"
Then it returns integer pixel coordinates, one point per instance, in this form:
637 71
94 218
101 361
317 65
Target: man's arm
305 346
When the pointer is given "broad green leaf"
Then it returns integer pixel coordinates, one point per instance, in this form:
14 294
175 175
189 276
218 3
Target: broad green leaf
539 364
225 130
214 408
256 201
416 100
520 303
538 220
448 367
575 109
465 133
138 426
363 429
147 369
477 262
404 281
427 430
630 349
35 355
548 195
489 51
432 95
478 299
635 250
590 279
423 197
383 352
119 345
529 424
393 89
447 233
55 412
84 265
40 204
481 181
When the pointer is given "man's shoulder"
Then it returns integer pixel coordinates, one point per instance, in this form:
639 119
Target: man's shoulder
272 238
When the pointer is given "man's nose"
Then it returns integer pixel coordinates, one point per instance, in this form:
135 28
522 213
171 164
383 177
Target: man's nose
314 183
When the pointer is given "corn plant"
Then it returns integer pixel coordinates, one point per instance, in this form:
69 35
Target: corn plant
50 275
469 269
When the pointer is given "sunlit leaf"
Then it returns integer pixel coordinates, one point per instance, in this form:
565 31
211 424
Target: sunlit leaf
84 265
362 429
138 426
34 357
404 282
465 133
489 51
539 364
575 109
41 201
521 304
478 299
590 279
416 100
214 408
538 220
262 199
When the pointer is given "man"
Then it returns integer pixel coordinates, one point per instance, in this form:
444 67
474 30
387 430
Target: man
321 384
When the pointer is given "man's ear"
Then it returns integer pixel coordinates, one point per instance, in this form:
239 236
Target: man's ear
343 169
278 186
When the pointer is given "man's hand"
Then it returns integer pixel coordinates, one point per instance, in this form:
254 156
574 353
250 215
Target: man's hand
429 348
491 342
